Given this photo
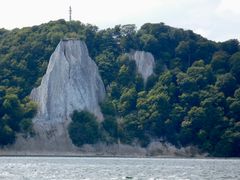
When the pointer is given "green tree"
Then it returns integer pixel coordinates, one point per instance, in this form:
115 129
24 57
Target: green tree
127 101
110 124
230 46
14 109
235 65
185 50
234 105
84 128
227 84
7 135
107 66
150 43
220 62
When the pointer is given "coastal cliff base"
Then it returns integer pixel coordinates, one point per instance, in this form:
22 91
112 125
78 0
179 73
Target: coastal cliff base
154 149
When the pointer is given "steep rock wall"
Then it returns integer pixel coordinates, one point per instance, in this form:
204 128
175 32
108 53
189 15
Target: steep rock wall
72 82
145 63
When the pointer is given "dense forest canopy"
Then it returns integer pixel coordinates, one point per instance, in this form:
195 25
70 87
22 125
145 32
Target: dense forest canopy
193 98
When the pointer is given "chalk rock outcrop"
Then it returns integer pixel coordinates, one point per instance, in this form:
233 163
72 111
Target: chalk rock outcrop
72 82
145 63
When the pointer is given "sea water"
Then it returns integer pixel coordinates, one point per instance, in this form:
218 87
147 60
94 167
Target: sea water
86 168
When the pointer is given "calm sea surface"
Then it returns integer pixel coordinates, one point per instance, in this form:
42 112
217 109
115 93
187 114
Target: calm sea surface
77 168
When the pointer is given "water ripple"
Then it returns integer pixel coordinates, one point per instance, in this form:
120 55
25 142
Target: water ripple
74 168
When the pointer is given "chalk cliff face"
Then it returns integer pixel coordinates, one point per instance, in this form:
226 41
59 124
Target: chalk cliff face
145 63
72 82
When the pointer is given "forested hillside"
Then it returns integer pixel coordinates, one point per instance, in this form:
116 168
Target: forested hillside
193 98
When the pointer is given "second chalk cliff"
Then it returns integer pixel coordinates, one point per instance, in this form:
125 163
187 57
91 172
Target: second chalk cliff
145 63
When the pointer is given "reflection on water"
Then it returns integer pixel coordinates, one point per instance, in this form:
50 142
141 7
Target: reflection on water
77 168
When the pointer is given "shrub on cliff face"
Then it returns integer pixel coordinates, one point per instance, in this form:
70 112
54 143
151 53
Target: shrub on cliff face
84 128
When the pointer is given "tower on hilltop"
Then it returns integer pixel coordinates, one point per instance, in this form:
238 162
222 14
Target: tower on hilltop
70 13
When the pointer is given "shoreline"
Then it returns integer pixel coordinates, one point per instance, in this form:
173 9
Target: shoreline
153 150
123 157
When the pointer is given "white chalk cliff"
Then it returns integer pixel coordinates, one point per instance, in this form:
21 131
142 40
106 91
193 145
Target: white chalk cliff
72 82
145 63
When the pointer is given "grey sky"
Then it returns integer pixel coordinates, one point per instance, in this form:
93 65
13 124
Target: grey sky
215 19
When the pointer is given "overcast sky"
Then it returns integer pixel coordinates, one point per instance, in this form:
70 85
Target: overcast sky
215 19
